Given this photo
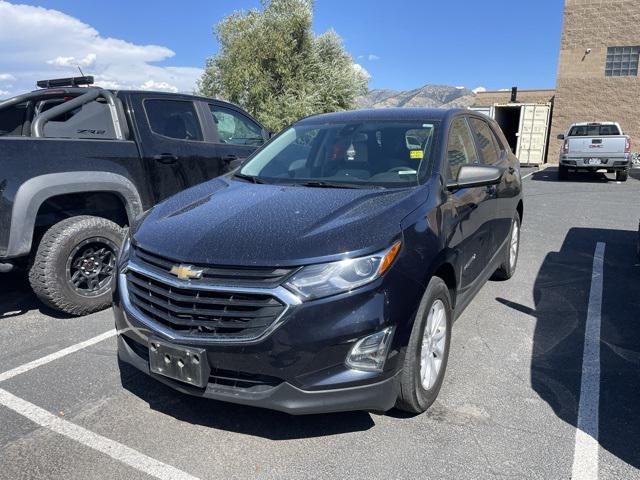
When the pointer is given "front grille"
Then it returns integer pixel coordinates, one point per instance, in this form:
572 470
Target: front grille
196 312
220 275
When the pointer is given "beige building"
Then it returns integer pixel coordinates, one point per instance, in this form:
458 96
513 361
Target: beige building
598 68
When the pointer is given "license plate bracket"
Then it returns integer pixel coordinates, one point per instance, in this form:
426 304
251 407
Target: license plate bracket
594 161
184 364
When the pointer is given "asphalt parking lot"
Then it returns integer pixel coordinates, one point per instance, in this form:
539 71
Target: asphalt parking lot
509 408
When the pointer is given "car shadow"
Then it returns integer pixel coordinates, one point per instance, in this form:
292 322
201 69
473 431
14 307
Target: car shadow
550 174
243 419
17 298
561 296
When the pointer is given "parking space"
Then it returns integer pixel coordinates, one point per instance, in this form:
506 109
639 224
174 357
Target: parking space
509 406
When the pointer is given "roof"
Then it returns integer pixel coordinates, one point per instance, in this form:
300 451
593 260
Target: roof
582 124
381 114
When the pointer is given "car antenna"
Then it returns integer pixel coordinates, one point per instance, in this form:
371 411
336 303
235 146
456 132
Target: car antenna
81 72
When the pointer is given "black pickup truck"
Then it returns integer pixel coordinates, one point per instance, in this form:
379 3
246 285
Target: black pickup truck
79 163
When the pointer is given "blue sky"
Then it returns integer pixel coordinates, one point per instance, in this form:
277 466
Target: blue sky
403 44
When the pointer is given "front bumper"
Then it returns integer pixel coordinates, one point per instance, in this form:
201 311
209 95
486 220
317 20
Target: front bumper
302 360
378 396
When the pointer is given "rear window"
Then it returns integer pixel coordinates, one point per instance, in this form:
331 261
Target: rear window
12 119
593 130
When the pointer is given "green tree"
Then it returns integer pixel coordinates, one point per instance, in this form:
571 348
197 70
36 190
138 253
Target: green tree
272 64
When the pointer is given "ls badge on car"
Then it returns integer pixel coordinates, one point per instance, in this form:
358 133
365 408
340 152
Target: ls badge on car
186 272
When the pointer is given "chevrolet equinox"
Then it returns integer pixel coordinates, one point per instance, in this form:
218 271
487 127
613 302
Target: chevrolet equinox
325 273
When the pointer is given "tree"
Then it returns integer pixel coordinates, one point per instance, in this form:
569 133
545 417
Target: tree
272 64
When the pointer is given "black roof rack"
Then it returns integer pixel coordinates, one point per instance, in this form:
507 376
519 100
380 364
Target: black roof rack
65 82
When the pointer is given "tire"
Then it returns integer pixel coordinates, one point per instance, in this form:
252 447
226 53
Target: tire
414 397
622 175
507 268
563 173
73 266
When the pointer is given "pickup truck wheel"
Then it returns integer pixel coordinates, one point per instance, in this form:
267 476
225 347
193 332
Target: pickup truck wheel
507 268
563 173
73 267
428 350
622 175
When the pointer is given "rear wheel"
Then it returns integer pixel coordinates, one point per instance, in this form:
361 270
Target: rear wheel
563 173
428 350
622 175
73 267
510 256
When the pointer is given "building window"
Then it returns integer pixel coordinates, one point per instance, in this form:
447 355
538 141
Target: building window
622 62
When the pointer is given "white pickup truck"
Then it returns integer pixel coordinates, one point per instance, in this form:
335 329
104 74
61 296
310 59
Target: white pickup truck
595 146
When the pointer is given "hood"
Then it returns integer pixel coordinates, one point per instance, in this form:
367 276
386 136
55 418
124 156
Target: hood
229 222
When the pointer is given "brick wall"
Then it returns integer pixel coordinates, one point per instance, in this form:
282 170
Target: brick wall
583 93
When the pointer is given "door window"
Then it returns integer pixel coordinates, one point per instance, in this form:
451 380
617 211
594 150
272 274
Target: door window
486 140
173 118
460 148
235 128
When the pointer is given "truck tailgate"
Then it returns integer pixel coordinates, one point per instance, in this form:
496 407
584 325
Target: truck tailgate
596 146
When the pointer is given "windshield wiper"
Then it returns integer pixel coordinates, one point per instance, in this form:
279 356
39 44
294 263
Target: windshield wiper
249 178
323 184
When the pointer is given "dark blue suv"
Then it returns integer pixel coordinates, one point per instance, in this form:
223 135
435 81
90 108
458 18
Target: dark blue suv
326 272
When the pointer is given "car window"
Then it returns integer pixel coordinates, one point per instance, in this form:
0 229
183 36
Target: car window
235 128
460 148
593 130
173 118
388 154
486 141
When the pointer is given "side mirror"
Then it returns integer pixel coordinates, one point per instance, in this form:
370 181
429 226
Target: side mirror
266 134
471 176
561 136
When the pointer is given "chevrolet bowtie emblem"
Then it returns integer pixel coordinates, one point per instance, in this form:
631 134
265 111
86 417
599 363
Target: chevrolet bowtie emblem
186 272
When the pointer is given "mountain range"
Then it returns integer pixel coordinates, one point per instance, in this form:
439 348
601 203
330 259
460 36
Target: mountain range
435 96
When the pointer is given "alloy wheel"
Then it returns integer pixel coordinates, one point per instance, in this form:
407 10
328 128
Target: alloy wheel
433 344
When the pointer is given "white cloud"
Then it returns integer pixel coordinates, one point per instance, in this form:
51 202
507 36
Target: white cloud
479 89
4 93
460 87
39 43
363 71
372 57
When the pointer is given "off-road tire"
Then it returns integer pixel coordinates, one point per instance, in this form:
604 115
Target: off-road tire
563 173
413 398
622 175
48 272
506 270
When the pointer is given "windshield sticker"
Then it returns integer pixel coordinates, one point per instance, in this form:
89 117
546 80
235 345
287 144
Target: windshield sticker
416 154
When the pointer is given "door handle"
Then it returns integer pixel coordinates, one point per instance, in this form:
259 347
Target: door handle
166 158
229 158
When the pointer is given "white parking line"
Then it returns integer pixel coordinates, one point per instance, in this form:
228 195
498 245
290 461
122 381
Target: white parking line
529 174
54 356
585 455
109 447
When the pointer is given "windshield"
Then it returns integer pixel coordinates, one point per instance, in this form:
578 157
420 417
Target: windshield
593 130
358 154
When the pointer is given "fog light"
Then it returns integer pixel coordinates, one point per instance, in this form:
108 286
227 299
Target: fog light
369 353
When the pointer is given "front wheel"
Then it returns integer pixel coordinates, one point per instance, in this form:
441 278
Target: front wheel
74 265
622 175
428 350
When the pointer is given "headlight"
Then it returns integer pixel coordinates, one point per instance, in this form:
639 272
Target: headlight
326 279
